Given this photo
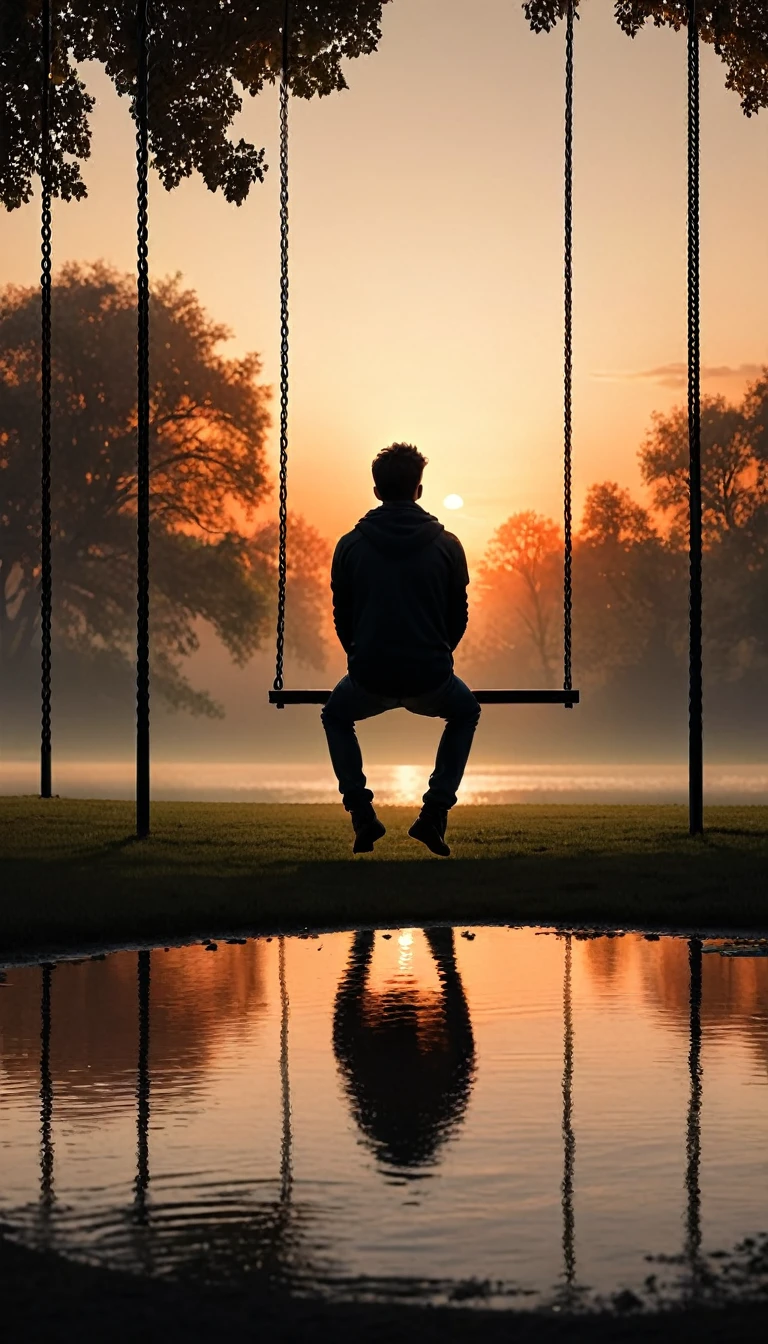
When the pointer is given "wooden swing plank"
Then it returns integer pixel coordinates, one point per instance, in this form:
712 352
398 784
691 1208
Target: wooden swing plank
568 698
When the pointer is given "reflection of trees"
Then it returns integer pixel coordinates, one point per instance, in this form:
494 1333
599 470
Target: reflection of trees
604 959
264 1230
734 993
734 989
198 999
406 1056
223 1232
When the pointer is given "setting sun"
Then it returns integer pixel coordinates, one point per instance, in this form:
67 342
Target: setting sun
453 502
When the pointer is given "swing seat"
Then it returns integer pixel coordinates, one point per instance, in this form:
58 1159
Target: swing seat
566 698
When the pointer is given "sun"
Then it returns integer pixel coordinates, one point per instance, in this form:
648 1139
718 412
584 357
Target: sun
453 502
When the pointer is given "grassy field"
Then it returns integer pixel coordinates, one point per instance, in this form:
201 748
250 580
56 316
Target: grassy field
72 873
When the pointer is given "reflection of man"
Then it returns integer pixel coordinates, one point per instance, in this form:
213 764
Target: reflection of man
407 1057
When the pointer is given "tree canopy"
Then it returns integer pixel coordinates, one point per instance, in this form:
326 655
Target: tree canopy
211 559
204 54
737 29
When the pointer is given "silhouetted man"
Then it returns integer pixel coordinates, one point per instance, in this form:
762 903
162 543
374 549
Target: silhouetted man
399 584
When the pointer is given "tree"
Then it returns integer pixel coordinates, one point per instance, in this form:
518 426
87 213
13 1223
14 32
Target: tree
210 561
735 518
520 582
629 585
737 29
729 467
203 53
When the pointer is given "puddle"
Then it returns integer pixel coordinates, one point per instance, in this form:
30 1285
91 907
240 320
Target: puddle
495 1116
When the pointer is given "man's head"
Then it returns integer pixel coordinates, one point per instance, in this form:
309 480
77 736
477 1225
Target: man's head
397 473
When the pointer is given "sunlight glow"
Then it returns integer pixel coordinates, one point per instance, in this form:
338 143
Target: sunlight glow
453 502
405 952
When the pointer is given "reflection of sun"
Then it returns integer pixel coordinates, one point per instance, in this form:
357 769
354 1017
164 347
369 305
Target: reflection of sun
453 502
405 943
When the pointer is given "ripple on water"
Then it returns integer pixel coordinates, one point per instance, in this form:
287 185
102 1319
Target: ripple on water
506 1119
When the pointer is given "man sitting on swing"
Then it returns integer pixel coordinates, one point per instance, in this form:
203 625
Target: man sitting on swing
399 583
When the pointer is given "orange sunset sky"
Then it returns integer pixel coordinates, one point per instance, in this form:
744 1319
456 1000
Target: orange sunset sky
426 232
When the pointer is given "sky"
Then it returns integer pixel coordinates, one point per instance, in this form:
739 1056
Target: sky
426 267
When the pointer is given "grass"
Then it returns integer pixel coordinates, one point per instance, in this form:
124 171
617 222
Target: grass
73 875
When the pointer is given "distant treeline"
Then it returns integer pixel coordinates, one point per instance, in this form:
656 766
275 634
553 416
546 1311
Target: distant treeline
631 575
213 561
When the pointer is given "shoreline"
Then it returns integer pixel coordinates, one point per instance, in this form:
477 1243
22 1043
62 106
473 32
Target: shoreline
75 877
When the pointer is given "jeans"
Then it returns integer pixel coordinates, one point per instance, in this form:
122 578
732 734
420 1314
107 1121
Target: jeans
452 701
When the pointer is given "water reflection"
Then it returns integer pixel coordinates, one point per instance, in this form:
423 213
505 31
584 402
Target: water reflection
569 1138
406 1056
286 1138
200 1002
46 1095
693 1129
142 1089
257 1170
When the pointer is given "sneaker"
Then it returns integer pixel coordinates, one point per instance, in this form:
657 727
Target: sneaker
368 829
429 828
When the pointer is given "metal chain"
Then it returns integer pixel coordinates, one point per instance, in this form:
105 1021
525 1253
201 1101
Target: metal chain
568 362
142 406
46 575
282 545
695 700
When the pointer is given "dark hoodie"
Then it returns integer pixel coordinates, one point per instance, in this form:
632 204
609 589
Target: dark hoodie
399 584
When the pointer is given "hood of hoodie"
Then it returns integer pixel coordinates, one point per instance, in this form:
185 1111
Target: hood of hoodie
399 529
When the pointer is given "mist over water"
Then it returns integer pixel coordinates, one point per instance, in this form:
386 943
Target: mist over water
217 781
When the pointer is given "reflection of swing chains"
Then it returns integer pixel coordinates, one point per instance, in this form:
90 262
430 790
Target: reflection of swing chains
693 1132
569 1138
286 1159
142 1089
46 1094
45 404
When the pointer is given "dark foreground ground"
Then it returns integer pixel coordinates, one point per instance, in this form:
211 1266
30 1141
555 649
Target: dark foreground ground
73 875
49 1299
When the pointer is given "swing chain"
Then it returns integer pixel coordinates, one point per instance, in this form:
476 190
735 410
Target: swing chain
46 575
282 562
695 708
142 418
568 360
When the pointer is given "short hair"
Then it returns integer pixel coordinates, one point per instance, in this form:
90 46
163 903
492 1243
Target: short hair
397 471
